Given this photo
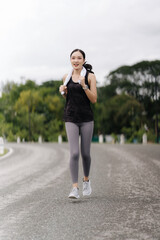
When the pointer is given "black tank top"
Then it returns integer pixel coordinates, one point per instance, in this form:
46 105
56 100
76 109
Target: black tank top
77 108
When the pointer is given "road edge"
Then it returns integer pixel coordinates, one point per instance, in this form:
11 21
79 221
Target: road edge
10 151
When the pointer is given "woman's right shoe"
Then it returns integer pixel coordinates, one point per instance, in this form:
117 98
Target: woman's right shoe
74 193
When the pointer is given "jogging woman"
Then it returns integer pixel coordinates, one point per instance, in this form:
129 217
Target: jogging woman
79 90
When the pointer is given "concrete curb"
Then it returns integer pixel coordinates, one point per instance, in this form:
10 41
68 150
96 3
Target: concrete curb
10 151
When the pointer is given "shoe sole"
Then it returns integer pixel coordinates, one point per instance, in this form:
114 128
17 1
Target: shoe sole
86 195
73 197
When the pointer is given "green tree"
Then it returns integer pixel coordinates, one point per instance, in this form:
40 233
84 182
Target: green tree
117 112
54 117
141 80
25 108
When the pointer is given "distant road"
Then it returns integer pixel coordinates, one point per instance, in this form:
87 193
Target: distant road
125 204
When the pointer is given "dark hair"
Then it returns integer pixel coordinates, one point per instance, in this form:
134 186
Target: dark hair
87 66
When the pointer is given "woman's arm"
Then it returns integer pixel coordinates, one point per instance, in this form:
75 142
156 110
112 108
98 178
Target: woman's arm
63 88
92 92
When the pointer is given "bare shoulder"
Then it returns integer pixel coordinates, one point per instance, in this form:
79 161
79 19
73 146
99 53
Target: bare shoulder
64 77
91 78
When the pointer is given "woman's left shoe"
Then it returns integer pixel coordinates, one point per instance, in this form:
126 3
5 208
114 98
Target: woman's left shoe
87 188
74 193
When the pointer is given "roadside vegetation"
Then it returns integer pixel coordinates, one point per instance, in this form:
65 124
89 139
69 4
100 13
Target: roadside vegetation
128 103
5 152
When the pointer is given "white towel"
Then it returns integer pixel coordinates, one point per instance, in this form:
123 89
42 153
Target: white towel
83 74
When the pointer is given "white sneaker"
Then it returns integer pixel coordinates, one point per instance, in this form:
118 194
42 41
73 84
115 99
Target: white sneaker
87 188
74 193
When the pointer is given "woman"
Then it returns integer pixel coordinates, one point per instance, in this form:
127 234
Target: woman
78 117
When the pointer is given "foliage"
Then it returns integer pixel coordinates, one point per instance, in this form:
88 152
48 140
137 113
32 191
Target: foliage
142 81
129 101
29 111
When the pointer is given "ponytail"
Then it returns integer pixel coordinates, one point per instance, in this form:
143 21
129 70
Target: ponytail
88 67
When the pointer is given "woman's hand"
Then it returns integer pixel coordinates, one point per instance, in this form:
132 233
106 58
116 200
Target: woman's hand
63 88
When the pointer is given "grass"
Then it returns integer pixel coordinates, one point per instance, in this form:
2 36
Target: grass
5 151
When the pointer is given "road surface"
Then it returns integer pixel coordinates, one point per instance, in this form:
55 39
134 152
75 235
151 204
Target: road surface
125 203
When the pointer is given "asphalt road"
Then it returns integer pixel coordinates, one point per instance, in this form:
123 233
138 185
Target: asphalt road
125 203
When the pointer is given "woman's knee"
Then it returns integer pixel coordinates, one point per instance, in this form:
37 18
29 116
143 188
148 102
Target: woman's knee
86 157
75 156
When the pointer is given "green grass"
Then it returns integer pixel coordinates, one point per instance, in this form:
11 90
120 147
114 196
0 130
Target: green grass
5 151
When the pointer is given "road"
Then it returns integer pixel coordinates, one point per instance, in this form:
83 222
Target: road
125 203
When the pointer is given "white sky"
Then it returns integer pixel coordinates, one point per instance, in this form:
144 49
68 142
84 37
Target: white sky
37 36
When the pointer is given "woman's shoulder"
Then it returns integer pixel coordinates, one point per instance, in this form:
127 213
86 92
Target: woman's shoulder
91 76
91 79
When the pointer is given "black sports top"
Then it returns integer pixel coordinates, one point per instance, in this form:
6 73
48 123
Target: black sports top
77 108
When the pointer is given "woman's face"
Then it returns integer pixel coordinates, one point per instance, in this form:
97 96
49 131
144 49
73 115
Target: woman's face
77 60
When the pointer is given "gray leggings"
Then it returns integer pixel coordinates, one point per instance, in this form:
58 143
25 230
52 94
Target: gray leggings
85 130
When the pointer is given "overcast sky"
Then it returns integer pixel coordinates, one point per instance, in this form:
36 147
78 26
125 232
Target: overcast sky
37 36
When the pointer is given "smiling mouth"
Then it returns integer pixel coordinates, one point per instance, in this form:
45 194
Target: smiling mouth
76 65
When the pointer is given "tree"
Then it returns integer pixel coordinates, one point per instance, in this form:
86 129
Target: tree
141 80
119 112
54 117
26 106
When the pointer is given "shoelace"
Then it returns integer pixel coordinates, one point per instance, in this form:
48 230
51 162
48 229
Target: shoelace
85 186
75 189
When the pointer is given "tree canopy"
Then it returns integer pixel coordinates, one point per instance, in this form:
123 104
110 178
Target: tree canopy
129 103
